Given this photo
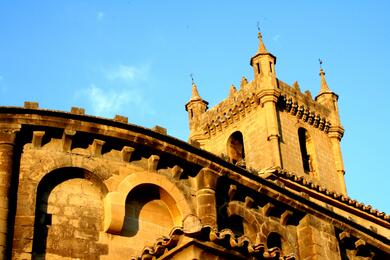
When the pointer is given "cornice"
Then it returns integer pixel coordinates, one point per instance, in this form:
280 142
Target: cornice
304 112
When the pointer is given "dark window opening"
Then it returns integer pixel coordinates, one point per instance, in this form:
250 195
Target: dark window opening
274 240
191 113
304 140
235 224
270 66
235 149
258 67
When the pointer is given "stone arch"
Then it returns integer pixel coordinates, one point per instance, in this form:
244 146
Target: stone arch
235 148
250 224
115 202
33 172
271 230
68 214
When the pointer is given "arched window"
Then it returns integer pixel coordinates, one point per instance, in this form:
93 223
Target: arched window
235 149
307 150
274 240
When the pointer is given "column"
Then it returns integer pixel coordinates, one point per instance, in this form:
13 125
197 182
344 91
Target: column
269 101
205 197
7 142
335 138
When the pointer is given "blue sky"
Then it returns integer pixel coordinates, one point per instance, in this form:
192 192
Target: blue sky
134 58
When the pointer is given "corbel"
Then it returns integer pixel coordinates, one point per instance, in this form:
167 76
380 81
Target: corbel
177 172
126 153
97 146
152 162
249 202
37 138
267 208
232 191
67 139
286 215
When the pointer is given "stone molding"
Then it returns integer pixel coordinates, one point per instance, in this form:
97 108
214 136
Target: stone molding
304 113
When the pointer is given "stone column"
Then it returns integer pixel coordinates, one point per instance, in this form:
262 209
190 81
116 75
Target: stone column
269 102
335 138
7 142
205 197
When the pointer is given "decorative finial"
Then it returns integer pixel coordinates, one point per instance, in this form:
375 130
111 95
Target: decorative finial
244 81
192 78
324 85
259 31
232 90
262 48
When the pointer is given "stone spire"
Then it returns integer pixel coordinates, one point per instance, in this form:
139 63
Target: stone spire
263 64
324 86
262 49
195 94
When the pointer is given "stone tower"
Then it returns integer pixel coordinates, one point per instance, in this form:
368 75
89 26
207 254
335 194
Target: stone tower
268 123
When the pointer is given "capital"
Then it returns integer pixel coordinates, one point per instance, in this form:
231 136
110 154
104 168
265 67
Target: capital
8 133
269 95
206 179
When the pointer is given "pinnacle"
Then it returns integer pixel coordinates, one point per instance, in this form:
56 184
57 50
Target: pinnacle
262 48
324 85
232 90
195 94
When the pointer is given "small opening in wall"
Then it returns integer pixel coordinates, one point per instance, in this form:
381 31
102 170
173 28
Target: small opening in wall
258 67
306 146
270 66
274 240
191 113
235 148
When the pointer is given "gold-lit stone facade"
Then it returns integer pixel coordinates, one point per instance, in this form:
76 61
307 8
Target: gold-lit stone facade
261 177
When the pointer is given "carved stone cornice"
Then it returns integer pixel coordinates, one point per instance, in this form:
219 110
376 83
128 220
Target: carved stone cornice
336 132
216 120
303 112
269 95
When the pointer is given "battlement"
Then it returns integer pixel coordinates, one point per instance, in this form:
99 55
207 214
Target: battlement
241 102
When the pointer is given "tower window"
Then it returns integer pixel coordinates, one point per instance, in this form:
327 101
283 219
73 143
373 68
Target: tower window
191 113
258 67
235 149
270 66
307 152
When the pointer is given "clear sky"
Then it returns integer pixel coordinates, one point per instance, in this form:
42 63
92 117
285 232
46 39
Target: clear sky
134 58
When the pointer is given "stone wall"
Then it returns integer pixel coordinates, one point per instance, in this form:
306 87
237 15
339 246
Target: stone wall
90 189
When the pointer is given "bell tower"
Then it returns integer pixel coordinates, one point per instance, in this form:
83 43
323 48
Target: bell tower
268 123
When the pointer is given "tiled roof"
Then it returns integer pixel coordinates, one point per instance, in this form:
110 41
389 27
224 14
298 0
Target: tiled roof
339 197
225 238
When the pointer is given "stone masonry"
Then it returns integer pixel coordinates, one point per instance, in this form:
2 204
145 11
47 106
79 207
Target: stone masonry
261 177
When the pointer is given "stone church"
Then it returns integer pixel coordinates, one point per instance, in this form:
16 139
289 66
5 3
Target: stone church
261 177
